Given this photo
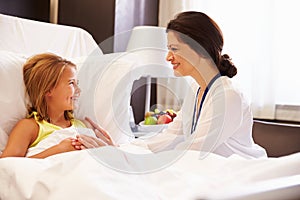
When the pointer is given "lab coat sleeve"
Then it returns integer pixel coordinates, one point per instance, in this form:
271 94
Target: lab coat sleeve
167 139
220 117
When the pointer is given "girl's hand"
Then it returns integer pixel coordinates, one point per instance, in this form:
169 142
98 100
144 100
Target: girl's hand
66 145
76 144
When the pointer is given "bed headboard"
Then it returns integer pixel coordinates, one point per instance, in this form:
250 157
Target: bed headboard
278 139
30 37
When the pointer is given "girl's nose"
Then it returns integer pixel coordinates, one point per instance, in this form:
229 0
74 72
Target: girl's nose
77 90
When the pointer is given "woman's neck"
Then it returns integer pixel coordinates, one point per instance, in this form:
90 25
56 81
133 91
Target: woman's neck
206 73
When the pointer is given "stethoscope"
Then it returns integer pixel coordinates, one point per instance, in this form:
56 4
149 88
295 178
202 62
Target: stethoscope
195 120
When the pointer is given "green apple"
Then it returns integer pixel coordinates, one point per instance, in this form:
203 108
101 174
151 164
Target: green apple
150 120
156 111
148 114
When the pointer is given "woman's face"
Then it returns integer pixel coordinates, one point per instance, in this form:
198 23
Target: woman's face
66 92
181 56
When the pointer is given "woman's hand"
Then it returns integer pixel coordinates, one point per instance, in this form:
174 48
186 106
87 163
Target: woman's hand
88 142
102 139
100 132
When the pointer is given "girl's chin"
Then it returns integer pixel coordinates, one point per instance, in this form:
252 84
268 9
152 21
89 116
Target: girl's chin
70 107
75 105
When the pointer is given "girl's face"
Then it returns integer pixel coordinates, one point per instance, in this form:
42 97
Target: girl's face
181 56
66 92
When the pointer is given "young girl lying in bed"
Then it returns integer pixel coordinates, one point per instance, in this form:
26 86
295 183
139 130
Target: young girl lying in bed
52 87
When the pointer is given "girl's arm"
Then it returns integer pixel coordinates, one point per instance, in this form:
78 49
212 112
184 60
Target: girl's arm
64 146
22 135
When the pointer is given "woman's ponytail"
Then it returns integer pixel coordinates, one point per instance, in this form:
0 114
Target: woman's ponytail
227 67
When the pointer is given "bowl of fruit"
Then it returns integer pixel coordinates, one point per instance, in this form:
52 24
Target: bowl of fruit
156 121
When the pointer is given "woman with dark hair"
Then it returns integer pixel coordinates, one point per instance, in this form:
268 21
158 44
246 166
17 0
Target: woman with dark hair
221 118
215 117
204 37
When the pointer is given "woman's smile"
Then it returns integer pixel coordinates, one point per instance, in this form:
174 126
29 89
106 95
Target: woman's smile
175 65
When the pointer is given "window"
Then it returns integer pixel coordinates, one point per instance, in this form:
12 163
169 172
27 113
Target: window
263 40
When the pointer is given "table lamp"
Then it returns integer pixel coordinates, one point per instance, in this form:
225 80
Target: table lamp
154 38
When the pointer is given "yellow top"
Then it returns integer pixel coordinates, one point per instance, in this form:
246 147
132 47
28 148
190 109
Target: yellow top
46 128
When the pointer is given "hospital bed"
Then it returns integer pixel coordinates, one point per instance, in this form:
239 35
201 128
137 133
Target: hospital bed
129 171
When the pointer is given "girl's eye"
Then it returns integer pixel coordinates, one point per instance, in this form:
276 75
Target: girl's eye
74 83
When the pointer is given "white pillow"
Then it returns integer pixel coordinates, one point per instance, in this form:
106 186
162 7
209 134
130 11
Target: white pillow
105 96
12 90
3 140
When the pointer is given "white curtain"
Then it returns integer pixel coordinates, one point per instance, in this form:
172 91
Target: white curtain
262 37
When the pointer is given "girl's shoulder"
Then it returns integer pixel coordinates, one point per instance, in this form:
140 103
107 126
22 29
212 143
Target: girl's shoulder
28 128
28 122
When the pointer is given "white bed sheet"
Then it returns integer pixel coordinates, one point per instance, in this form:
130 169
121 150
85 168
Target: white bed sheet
78 175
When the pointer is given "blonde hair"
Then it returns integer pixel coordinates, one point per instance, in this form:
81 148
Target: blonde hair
41 73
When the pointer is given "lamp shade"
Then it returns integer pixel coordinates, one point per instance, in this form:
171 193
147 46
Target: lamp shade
147 37
148 46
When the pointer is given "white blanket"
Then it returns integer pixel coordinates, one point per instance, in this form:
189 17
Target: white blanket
56 137
115 173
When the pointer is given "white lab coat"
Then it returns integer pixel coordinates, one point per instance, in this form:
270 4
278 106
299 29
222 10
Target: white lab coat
224 126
